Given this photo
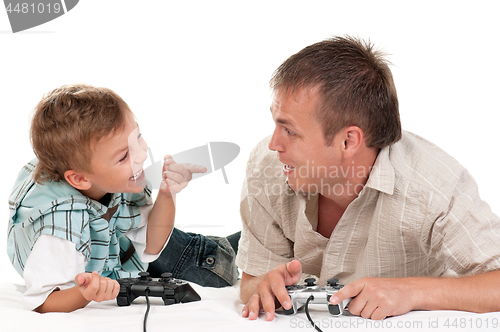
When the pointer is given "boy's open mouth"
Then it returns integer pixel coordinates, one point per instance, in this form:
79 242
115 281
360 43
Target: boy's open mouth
137 175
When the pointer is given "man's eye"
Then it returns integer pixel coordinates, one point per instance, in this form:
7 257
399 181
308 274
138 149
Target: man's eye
124 157
289 132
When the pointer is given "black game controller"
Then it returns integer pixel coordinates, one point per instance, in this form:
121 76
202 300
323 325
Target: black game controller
169 289
300 295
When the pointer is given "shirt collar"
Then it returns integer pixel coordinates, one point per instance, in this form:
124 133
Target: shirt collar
382 175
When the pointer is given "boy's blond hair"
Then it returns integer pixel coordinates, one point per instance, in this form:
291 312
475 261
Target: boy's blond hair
67 122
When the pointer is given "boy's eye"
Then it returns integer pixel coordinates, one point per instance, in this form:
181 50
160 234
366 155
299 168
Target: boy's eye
124 157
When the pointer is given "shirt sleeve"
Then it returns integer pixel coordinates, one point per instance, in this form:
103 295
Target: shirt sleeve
263 244
466 235
52 264
138 235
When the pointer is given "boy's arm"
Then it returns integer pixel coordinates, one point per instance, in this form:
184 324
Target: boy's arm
50 278
90 287
66 300
162 215
160 222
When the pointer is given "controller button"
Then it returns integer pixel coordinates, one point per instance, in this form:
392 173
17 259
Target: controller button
122 301
144 275
332 281
334 309
310 281
166 276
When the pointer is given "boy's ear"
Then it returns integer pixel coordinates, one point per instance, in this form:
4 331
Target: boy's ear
77 180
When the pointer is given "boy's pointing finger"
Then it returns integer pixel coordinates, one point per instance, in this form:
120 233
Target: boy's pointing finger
167 160
192 168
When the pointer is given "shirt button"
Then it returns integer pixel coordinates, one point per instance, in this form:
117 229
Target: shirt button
210 260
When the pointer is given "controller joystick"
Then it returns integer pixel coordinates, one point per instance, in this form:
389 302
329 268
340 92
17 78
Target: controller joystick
166 276
300 294
144 276
169 289
310 282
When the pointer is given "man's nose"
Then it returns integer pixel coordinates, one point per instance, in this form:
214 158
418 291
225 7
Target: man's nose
274 143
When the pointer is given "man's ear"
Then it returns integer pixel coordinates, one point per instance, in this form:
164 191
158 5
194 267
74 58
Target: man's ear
77 180
353 140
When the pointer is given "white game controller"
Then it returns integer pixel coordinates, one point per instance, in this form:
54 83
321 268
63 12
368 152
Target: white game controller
301 294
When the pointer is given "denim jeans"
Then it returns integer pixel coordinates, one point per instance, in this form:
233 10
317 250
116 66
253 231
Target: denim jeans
206 260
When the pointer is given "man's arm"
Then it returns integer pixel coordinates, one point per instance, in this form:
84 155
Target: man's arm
268 291
378 298
248 286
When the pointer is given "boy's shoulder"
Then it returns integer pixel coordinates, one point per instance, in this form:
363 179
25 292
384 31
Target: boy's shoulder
31 194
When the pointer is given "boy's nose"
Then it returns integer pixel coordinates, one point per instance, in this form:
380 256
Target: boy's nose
138 150
141 155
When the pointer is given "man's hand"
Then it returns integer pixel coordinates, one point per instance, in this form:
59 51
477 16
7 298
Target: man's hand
270 289
177 176
96 288
378 298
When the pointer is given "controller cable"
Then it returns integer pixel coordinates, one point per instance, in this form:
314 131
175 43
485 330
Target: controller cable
147 309
308 316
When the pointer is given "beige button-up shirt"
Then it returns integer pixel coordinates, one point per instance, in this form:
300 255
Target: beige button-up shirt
419 214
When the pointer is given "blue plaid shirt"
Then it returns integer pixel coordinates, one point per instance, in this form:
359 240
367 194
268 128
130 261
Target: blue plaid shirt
58 209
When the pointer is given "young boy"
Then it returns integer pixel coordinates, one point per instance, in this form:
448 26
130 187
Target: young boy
81 212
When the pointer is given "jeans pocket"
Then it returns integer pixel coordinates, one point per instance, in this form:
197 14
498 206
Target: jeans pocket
223 262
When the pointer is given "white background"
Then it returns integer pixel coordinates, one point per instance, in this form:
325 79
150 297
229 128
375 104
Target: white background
198 71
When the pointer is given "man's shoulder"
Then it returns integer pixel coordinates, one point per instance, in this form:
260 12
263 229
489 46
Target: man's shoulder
263 164
261 151
422 162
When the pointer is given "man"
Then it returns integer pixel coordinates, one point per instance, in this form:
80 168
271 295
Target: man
339 190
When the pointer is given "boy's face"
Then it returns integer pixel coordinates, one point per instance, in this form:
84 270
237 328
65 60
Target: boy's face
117 162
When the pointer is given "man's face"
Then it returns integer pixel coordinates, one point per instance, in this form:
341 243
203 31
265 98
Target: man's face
310 165
117 162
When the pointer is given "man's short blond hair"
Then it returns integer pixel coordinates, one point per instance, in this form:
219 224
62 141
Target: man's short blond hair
67 122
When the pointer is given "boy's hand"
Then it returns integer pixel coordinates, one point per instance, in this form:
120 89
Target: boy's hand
177 176
96 288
